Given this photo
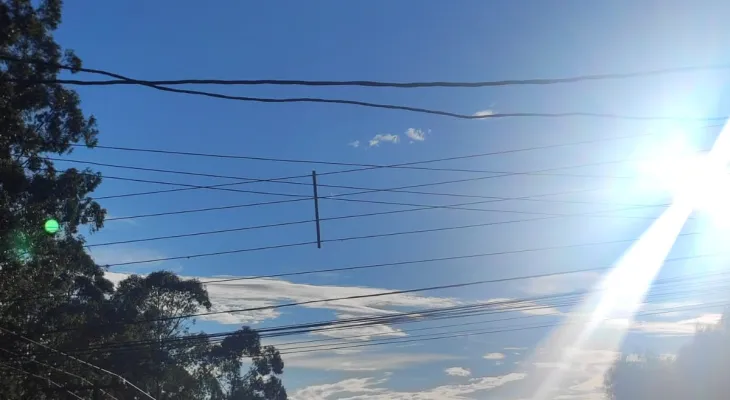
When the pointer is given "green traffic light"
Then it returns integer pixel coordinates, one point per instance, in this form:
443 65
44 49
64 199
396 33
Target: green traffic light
51 226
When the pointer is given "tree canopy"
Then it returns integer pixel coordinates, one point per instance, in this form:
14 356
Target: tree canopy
53 293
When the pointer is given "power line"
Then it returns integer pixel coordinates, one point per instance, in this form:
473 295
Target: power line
411 338
354 102
451 336
10 367
483 308
370 83
342 239
417 207
394 264
376 166
365 167
278 181
59 370
506 306
359 188
226 186
421 289
88 364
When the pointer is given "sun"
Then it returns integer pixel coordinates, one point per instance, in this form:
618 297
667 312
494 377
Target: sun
695 179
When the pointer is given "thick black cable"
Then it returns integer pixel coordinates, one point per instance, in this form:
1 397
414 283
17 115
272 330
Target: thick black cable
119 80
358 103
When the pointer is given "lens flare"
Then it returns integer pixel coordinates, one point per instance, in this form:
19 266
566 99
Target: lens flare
51 226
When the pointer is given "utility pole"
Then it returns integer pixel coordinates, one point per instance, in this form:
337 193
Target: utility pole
316 209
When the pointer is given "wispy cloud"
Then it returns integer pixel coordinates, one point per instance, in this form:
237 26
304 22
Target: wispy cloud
684 327
354 143
494 356
484 113
371 389
416 135
377 139
252 293
326 360
559 283
457 371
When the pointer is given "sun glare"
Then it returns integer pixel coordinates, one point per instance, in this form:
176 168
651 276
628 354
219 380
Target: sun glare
696 182
693 179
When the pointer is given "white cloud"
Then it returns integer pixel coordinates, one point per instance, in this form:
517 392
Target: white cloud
494 356
457 371
350 386
484 113
684 327
559 283
325 360
582 377
515 348
368 389
377 139
364 333
355 143
416 135
251 293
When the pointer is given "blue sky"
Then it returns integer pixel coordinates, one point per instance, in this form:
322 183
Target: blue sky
401 41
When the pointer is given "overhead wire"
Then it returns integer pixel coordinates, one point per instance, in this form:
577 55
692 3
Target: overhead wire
412 163
370 83
417 207
352 102
346 239
448 336
63 371
358 188
86 363
43 378
405 291
451 334
525 305
508 306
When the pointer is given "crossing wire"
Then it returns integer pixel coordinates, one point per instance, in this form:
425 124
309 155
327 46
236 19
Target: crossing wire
416 207
43 378
367 167
59 370
415 290
415 316
88 364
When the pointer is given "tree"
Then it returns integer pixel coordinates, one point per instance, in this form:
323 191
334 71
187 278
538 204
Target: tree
699 371
52 291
